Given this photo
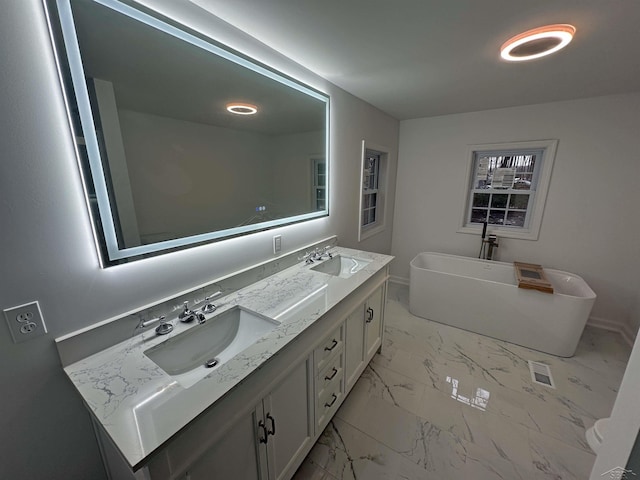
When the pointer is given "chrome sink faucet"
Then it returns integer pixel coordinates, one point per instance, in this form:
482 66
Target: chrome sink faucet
186 311
316 255
187 315
323 252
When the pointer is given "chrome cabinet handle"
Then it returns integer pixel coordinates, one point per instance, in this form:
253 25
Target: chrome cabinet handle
333 345
330 404
333 374
273 425
369 314
264 430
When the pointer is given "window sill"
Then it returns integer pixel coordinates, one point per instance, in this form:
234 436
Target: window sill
369 232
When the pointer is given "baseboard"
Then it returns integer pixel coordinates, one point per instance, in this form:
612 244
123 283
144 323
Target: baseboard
622 328
628 334
399 280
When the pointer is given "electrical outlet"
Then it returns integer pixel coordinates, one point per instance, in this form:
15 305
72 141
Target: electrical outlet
25 322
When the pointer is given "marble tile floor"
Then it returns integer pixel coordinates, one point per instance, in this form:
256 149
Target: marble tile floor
443 403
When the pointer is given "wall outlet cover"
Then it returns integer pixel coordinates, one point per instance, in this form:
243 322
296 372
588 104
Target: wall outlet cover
25 322
277 244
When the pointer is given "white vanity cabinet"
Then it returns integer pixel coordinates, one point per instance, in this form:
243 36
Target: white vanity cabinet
267 443
363 335
233 456
374 312
284 424
329 376
354 346
264 427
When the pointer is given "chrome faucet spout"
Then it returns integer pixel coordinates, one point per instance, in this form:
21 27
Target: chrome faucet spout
186 311
187 315
317 254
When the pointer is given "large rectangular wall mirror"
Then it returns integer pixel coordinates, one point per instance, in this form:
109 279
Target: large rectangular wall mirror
166 164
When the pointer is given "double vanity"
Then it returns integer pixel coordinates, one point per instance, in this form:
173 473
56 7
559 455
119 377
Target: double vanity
234 387
246 393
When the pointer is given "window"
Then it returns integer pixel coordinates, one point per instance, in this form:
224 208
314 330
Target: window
504 185
319 188
373 190
370 177
508 186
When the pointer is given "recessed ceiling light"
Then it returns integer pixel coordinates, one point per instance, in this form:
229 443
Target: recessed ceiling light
537 43
242 108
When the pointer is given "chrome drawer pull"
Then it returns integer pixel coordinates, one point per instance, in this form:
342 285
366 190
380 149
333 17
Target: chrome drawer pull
330 404
334 343
330 377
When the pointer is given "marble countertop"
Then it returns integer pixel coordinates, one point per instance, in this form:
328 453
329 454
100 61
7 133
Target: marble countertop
141 407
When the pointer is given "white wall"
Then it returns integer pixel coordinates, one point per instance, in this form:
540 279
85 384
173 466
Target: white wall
292 172
590 225
46 244
172 170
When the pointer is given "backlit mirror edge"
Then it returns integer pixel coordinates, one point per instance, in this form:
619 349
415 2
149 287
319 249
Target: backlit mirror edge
110 254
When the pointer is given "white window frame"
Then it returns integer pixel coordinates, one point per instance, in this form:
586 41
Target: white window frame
378 225
544 167
315 184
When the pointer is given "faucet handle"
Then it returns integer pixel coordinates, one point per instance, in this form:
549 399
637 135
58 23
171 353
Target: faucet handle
210 307
213 295
308 257
146 323
162 329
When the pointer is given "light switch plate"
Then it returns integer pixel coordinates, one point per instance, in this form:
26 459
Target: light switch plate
277 244
25 322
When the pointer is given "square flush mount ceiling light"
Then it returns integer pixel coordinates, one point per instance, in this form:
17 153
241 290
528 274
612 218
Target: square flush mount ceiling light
537 43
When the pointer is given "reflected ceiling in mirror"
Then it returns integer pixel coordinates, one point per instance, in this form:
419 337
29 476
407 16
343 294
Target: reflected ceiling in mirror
166 164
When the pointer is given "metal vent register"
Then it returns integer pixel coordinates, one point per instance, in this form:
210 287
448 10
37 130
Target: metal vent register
541 374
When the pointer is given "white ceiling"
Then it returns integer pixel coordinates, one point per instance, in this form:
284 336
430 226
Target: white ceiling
155 73
420 58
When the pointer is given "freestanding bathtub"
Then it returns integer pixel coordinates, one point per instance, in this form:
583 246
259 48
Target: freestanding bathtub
483 297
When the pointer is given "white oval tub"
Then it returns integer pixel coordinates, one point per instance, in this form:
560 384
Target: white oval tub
483 297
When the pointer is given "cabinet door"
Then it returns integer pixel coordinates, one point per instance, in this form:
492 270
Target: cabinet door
235 456
288 418
373 315
354 347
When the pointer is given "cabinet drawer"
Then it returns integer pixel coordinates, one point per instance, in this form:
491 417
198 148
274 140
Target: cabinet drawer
330 374
330 346
327 403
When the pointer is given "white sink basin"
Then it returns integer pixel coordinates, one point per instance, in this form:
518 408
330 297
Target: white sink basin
190 356
341 266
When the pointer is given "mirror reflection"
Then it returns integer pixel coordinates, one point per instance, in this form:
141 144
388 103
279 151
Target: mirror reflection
173 162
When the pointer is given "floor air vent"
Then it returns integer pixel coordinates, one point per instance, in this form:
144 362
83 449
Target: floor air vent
541 374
